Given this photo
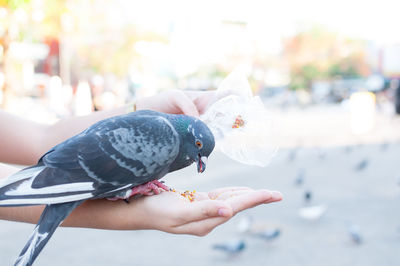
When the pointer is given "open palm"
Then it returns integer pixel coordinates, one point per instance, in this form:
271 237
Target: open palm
171 212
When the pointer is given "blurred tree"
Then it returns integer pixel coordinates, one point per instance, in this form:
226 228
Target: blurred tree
102 40
92 37
14 4
318 54
25 21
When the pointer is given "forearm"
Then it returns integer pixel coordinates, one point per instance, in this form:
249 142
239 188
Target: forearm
106 214
68 127
98 214
20 139
24 142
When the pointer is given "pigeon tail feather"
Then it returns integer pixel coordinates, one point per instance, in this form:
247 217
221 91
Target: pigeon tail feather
51 218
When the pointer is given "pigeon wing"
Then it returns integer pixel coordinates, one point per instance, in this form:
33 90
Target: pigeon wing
112 155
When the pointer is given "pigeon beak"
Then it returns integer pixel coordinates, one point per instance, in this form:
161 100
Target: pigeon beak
201 163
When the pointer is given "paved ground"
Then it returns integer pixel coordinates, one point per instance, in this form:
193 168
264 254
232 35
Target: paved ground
369 199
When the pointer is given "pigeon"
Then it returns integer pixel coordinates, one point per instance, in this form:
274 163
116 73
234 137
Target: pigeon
116 158
300 177
232 247
321 154
312 213
307 196
269 234
384 146
355 235
292 155
348 149
362 165
245 224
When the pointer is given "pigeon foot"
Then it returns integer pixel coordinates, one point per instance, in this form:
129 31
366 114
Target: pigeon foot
147 189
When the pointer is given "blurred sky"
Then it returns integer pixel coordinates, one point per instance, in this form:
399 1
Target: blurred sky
196 35
372 20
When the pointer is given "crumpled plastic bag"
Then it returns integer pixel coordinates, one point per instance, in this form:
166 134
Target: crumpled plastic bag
241 125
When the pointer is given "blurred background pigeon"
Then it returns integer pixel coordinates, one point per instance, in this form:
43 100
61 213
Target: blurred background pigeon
292 155
231 247
348 149
384 146
244 224
362 165
321 154
312 213
307 196
269 234
299 180
354 234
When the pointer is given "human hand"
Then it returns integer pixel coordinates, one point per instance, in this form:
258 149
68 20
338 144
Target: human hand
167 211
191 103
172 213
172 101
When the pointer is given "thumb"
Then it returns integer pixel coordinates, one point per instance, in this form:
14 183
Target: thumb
186 105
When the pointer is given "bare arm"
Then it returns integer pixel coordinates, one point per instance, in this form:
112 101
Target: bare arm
23 141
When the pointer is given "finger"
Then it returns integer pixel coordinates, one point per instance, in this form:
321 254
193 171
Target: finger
185 104
215 193
250 200
200 210
275 196
202 99
201 227
231 193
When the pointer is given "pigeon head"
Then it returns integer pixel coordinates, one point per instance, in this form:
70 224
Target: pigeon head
197 142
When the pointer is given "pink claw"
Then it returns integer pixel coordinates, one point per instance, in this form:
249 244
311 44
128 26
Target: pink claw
147 189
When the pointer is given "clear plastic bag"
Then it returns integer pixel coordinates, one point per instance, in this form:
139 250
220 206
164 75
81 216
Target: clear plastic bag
242 127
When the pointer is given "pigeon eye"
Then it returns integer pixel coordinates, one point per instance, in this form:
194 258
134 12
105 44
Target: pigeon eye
199 144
